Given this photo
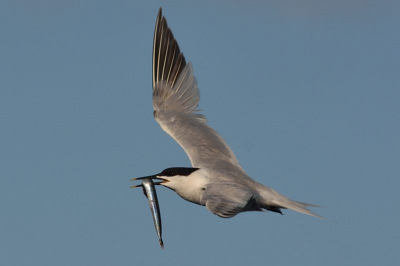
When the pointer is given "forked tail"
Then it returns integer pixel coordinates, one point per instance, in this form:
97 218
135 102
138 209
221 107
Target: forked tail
272 200
296 206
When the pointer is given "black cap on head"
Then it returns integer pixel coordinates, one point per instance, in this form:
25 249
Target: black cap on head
182 171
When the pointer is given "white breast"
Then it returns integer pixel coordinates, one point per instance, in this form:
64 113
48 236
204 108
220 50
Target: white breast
190 187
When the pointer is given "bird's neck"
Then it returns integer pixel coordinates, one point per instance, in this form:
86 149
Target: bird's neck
190 187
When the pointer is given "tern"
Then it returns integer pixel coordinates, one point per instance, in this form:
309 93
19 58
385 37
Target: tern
215 180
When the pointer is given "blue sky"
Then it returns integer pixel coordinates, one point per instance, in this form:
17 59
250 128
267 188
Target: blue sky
306 93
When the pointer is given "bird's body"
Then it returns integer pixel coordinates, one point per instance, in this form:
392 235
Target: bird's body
226 194
215 180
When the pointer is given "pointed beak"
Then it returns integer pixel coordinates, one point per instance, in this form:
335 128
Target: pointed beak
144 177
152 177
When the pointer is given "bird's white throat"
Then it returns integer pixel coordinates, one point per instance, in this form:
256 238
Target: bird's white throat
189 187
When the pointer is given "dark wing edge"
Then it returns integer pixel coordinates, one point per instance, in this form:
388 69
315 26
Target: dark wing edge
168 61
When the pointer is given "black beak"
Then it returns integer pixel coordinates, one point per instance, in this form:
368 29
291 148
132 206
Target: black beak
145 177
152 177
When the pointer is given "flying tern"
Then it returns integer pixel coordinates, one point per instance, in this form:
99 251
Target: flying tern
215 180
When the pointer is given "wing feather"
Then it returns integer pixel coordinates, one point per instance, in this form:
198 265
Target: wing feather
222 203
176 97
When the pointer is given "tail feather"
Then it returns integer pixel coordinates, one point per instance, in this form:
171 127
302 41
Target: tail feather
297 206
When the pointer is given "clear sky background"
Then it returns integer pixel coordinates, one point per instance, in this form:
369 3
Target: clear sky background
307 94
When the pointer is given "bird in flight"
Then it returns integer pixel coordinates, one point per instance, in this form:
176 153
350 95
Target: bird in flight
215 180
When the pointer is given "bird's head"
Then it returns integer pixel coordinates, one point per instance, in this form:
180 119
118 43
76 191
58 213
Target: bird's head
170 177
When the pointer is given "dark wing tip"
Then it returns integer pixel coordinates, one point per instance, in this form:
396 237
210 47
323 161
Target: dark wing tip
168 61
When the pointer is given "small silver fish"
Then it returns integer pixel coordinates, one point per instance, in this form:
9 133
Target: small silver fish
149 191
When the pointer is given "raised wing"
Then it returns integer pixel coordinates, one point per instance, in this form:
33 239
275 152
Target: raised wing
175 100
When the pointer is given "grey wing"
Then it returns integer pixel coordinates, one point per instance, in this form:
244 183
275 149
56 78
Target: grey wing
227 200
175 100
